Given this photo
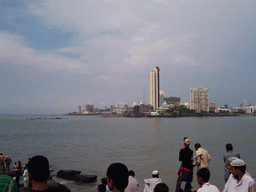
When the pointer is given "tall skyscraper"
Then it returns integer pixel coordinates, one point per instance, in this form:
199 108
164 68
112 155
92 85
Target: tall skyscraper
154 88
199 99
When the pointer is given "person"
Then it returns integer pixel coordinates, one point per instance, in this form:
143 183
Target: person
238 180
13 166
8 162
133 184
229 163
202 157
104 182
7 184
19 166
38 173
185 156
203 176
226 156
161 187
152 182
117 177
101 188
2 159
25 178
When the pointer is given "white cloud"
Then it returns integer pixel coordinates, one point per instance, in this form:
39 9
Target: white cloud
15 51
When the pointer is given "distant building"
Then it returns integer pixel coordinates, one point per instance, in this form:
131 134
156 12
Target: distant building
112 107
213 105
89 108
141 109
154 88
199 99
125 106
172 100
79 109
161 98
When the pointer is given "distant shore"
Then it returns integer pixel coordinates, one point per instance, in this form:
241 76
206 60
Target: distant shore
105 115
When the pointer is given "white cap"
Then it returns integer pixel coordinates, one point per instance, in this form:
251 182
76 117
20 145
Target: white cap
155 172
237 163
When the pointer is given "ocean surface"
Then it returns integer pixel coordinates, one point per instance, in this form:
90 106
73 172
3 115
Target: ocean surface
92 143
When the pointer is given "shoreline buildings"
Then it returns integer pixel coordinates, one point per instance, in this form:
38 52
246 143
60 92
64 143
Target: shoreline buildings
154 88
199 99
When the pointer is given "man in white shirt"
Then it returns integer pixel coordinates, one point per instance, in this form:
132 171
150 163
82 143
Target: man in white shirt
203 176
133 184
152 182
238 180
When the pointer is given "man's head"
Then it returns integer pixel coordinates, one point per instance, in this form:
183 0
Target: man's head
161 187
155 174
131 173
187 142
101 188
229 147
229 163
38 168
197 146
238 167
104 181
203 176
117 176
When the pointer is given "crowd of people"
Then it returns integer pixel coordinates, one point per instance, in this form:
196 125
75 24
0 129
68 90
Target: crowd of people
119 179
235 175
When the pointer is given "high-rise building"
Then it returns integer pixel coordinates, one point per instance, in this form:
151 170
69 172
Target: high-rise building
154 88
161 98
199 99
79 109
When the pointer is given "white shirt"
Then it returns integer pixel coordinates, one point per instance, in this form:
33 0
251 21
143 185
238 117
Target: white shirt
247 184
207 187
150 184
133 185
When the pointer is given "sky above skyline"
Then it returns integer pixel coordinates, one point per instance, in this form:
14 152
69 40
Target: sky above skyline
58 55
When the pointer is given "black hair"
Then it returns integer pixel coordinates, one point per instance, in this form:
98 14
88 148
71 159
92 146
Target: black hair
242 168
38 167
197 145
131 173
161 187
204 173
118 172
104 181
102 187
229 147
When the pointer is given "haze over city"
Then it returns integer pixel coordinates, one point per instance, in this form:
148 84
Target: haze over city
58 55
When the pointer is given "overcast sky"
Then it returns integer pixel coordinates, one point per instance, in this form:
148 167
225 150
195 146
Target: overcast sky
58 54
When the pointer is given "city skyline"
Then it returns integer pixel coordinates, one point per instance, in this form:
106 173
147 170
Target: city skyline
57 55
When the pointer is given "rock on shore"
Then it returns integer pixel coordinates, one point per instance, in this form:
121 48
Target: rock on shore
74 175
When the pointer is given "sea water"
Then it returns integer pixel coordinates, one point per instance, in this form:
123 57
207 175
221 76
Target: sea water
91 143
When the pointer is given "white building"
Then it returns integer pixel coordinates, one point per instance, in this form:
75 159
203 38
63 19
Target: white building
199 99
154 88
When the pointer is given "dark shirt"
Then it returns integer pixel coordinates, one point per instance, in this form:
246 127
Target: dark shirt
185 157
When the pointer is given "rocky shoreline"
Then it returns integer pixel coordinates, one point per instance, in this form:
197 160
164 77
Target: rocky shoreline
71 175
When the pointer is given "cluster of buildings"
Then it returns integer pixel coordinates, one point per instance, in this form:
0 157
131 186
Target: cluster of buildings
199 97
159 104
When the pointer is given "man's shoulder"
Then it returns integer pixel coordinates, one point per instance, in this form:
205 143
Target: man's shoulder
248 178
